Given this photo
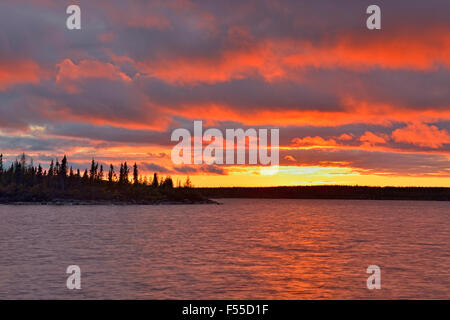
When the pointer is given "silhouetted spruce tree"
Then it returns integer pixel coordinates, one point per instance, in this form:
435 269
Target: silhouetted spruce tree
155 182
100 173
62 173
1 169
31 175
93 171
56 172
39 175
17 171
10 174
63 167
126 172
121 176
51 169
135 174
188 183
85 177
71 179
167 183
23 163
110 174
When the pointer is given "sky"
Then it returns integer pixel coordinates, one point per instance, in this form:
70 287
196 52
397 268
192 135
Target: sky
353 106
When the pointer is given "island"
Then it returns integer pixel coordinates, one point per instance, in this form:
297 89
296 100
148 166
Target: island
60 184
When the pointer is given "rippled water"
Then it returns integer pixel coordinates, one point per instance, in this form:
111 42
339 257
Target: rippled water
244 249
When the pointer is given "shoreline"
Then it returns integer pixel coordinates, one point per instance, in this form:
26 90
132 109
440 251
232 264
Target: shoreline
330 192
106 203
189 202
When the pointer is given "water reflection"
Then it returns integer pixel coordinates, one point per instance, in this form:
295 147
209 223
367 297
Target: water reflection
244 249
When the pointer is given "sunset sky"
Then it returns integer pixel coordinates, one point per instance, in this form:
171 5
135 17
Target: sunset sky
353 106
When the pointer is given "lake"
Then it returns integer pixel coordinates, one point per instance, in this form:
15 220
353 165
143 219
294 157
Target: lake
243 249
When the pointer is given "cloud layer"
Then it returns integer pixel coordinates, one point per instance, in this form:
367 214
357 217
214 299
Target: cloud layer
341 95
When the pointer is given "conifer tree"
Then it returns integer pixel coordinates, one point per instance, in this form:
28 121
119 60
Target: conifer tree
135 174
56 172
155 182
100 173
39 174
85 177
63 167
51 169
188 183
93 172
111 173
126 172
121 175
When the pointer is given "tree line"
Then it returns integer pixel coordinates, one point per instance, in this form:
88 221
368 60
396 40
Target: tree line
23 181
330 192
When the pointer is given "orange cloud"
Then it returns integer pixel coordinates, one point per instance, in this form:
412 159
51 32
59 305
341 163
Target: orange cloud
422 135
345 137
278 59
89 69
313 141
421 50
290 158
19 72
231 64
361 113
371 139
68 72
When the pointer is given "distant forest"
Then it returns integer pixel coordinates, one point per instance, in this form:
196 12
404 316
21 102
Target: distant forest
330 192
22 181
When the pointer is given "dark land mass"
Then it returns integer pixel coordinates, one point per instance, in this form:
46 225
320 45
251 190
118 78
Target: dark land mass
330 192
24 183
